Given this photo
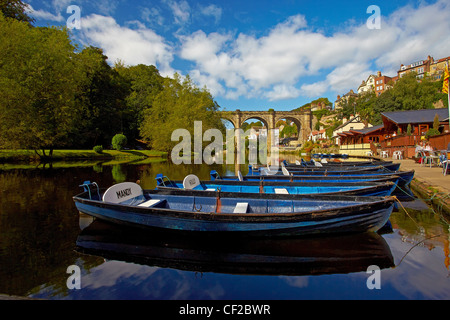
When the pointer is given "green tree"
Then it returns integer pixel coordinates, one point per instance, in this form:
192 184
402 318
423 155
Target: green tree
102 98
365 106
289 131
39 79
349 107
408 93
436 123
144 84
119 141
412 94
177 106
15 9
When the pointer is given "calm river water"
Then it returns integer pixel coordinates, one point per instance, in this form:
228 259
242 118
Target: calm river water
40 230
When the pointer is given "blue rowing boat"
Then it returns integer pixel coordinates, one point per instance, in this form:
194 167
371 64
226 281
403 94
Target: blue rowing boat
247 216
285 190
404 177
313 163
311 178
338 170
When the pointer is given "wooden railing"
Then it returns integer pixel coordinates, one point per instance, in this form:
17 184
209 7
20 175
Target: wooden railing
400 141
440 142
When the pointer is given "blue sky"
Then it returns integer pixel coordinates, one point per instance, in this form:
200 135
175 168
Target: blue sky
260 54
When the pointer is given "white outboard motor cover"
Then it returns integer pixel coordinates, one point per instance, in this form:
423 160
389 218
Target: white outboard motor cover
122 192
191 181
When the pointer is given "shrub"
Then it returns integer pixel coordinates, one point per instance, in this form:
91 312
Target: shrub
119 141
431 132
98 149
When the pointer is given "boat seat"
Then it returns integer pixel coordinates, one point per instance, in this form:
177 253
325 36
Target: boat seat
241 207
149 203
281 191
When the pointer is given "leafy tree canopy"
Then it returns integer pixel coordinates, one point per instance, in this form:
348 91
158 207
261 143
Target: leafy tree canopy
15 9
179 104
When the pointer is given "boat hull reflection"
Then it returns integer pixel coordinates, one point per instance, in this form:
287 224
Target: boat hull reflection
292 256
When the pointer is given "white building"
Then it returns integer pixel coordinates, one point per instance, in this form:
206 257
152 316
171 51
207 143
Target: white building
368 85
353 123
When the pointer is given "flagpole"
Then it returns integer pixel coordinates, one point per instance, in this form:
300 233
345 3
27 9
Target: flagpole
448 90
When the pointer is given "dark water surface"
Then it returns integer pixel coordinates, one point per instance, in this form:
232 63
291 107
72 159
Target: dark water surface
40 230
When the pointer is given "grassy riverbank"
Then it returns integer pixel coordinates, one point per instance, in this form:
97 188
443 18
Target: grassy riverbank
71 155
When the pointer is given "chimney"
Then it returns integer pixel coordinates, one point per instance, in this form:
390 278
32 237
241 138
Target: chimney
379 73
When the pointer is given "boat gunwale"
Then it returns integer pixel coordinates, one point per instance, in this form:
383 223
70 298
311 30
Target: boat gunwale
321 214
365 189
268 183
329 176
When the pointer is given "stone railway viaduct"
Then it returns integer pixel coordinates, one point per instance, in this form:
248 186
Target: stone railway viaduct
302 119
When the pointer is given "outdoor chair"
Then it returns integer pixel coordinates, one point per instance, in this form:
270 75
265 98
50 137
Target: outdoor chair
397 155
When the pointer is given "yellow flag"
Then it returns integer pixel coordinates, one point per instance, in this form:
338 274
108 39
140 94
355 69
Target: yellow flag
446 77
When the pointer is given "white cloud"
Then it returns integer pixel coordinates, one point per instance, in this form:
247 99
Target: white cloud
279 62
275 65
314 89
348 75
59 7
133 46
152 15
44 15
180 10
282 91
213 11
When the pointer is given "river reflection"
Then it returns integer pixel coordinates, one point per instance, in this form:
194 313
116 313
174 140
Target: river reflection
41 236
307 256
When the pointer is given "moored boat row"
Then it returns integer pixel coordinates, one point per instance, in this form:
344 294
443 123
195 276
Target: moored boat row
287 203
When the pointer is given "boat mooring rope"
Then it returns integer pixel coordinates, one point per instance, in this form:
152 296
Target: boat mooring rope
406 211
